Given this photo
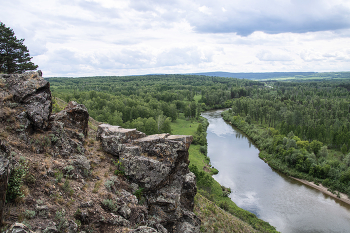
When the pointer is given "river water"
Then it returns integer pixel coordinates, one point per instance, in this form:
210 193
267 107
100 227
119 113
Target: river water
286 204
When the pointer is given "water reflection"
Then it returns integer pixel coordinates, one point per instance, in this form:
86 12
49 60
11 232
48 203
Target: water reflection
287 204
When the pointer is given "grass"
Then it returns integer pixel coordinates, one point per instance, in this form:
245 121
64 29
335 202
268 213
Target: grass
197 98
183 126
215 218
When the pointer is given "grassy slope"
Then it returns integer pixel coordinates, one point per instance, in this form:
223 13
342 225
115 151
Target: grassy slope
215 219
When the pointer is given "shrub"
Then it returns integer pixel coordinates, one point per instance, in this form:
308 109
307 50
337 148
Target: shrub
61 221
16 181
110 205
29 214
110 183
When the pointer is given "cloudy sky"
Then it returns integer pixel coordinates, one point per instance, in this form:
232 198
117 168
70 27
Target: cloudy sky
129 37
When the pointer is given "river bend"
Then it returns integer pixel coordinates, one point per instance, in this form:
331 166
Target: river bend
283 202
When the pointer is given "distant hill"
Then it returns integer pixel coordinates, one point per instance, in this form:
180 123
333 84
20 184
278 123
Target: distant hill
257 76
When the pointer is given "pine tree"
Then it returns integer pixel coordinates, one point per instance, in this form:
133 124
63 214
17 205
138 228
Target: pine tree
14 55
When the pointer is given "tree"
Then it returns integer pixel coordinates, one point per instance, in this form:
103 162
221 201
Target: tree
14 55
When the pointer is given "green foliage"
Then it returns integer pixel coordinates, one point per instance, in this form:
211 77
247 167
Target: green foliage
110 183
58 176
120 168
110 205
294 157
14 55
138 193
61 221
203 178
344 149
67 189
16 181
29 214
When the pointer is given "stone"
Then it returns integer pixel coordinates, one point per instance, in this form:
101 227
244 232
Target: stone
158 164
51 229
4 175
19 228
33 92
113 138
42 210
75 118
144 229
72 227
82 163
124 211
118 220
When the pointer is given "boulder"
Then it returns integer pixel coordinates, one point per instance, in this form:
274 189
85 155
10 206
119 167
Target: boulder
18 228
33 92
69 129
75 119
114 138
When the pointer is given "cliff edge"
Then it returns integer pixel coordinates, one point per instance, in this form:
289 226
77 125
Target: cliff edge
65 172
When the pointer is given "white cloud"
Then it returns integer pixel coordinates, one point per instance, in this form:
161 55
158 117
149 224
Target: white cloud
107 37
269 56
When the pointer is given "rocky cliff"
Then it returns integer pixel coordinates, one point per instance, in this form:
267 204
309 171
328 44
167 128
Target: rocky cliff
63 176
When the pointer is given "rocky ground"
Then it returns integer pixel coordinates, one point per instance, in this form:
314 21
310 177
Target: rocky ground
68 173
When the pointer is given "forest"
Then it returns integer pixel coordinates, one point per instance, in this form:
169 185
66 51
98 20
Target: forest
149 103
301 126
301 129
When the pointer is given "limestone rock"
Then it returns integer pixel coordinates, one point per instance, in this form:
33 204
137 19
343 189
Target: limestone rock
75 118
4 175
33 92
113 138
118 220
158 164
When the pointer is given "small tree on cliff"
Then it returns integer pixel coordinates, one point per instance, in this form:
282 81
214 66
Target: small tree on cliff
14 55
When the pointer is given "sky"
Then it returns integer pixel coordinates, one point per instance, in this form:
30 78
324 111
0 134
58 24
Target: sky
74 38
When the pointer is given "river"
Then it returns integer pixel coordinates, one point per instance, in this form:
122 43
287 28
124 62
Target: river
288 205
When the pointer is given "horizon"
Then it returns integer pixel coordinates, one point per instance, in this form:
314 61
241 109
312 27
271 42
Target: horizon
103 37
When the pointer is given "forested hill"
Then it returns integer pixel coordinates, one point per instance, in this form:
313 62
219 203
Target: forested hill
280 75
257 76
140 101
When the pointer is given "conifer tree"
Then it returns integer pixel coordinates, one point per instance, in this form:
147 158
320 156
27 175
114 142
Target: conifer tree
14 55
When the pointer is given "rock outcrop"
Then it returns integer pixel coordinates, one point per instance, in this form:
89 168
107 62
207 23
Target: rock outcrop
69 129
33 93
158 164
4 174
152 189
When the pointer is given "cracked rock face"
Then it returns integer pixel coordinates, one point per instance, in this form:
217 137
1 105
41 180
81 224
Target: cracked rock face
33 92
70 128
4 174
158 164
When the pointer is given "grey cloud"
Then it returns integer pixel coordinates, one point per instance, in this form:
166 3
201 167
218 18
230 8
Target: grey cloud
244 18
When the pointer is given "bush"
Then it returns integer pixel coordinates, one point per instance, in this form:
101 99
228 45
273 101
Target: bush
203 150
16 181
29 214
110 205
110 183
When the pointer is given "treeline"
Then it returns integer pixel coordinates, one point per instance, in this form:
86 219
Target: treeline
303 129
150 103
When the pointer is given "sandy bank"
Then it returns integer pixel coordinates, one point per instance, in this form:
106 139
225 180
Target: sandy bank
343 197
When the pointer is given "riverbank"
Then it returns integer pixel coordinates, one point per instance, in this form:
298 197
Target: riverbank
292 173
343 197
